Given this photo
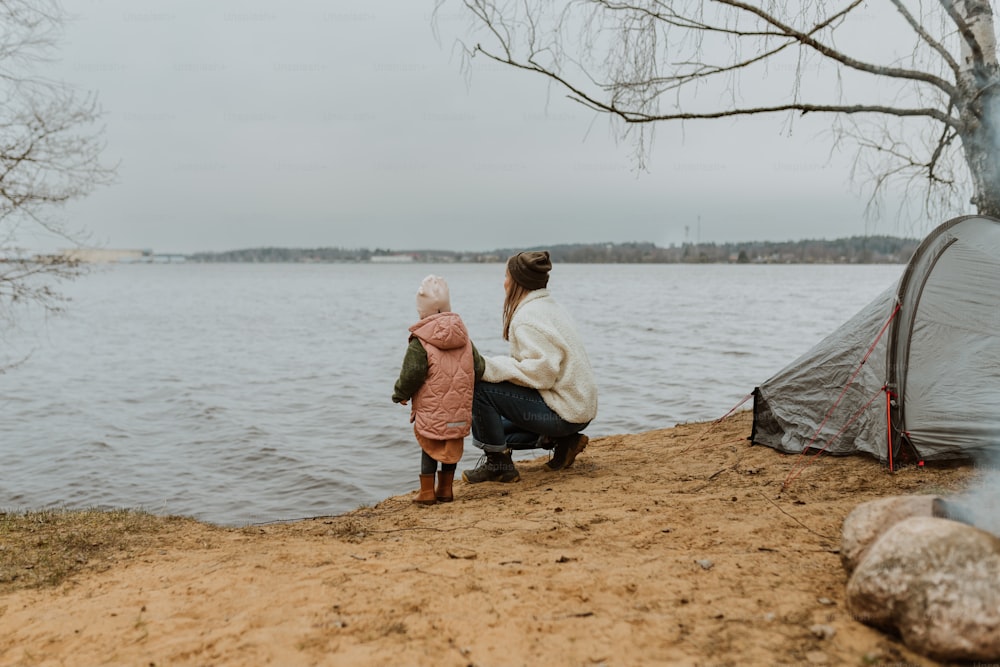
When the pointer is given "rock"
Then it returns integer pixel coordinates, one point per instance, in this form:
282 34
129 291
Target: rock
937 583
705 563
817 658
870 519
823 631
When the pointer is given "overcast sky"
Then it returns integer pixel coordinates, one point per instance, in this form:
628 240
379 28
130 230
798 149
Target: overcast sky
312 123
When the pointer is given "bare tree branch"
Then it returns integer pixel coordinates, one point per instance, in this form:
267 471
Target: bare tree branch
628 116
629 56
833 54
703 70
50 147
928 39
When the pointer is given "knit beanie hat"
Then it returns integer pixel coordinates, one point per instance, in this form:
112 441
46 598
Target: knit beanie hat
530 269
433 296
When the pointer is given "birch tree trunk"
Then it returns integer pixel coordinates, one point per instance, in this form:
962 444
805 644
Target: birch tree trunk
979 106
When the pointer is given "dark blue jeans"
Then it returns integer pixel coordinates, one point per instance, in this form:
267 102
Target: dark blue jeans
506 415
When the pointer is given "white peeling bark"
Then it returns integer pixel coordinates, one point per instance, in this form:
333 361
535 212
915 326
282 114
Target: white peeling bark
979 17
979 103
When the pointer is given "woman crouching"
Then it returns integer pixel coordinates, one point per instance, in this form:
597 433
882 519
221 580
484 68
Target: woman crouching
543 393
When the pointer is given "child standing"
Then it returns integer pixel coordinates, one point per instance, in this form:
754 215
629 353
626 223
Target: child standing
439 373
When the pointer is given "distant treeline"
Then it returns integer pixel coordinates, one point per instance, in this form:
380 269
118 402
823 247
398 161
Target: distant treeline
853 250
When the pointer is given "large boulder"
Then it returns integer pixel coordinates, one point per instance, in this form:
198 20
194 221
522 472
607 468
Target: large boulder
934 581
870 519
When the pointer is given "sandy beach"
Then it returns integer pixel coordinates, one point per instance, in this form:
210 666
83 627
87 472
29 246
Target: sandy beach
678 546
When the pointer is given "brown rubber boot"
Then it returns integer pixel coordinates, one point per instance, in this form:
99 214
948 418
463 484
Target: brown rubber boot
444 492
426 495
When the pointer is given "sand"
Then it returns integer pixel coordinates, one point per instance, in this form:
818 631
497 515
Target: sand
679 546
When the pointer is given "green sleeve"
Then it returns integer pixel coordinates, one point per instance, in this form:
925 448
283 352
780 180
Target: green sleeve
413 373
478 363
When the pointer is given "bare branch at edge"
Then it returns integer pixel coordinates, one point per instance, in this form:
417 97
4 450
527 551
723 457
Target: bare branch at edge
637 117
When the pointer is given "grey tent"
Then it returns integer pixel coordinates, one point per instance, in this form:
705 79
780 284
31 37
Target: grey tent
914 375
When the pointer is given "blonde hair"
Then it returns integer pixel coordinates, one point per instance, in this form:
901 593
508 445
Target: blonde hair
515 294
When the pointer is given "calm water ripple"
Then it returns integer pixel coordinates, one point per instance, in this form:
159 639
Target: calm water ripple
247 393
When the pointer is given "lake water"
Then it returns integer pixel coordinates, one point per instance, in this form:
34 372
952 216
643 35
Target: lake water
245 393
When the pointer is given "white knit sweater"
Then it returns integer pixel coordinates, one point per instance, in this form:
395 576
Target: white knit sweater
547 354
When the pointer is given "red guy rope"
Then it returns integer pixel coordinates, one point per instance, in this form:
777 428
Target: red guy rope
846 387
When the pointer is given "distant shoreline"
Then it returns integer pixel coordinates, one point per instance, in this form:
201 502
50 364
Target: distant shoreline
852 250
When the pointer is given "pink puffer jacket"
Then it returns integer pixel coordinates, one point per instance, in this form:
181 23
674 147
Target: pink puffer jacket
442 407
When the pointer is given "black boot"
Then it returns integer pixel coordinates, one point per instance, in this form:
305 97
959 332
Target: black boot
566 451
497 467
